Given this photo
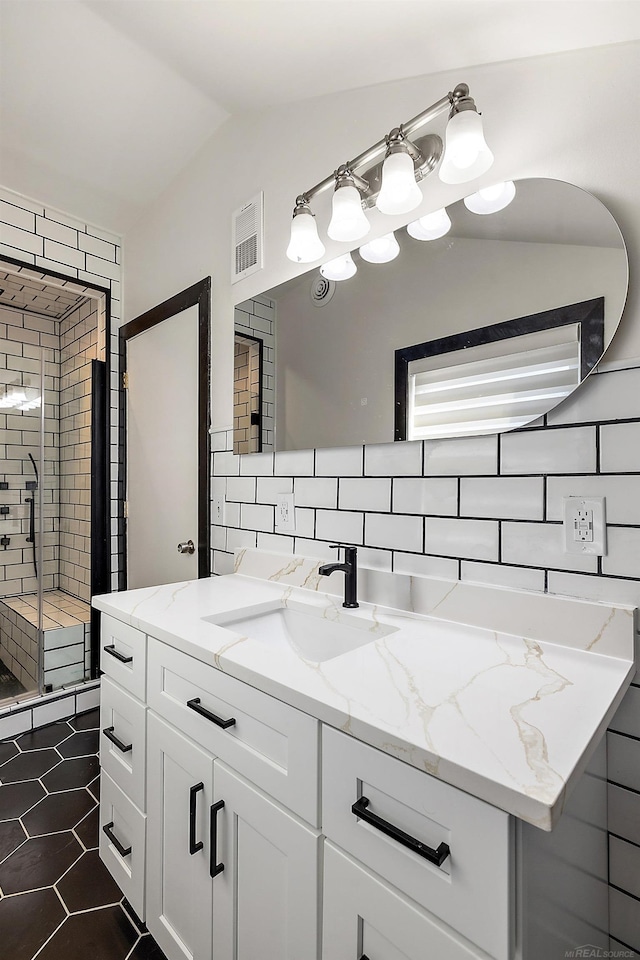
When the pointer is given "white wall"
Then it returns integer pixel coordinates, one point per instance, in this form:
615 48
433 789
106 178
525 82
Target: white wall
567 116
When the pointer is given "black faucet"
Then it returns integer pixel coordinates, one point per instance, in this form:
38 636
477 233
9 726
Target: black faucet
350 569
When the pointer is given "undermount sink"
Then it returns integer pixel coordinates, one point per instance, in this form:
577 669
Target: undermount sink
308 630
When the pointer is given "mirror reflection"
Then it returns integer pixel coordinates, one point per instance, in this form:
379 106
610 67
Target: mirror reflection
327 348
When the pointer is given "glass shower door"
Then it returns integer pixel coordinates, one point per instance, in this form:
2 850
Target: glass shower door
22 411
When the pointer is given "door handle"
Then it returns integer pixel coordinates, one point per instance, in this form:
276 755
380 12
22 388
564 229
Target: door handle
215 868
197 707
193 792
122 850
110 735
187 546
111 649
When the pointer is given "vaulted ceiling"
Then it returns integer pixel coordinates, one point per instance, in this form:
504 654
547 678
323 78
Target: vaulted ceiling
103 102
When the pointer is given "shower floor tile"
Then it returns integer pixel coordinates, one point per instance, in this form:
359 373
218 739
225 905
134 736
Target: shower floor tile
57 899
10 686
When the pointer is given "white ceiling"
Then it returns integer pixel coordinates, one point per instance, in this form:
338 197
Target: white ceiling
103 102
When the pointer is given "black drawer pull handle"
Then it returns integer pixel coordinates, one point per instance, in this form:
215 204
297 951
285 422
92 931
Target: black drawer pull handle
123 851
215 868
193 792
119 656
219 722
437 856
110 735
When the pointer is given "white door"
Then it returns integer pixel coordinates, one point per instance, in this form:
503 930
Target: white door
162 451
265 901
179 886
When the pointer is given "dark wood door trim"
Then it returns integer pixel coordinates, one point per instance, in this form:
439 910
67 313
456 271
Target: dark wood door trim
197 295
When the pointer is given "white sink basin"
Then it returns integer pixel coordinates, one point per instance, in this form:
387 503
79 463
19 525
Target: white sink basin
306 629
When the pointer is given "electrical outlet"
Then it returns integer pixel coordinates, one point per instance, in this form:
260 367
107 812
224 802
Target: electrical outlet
218 510
584 525
285 513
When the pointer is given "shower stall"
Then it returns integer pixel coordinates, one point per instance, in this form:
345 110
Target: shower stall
53 479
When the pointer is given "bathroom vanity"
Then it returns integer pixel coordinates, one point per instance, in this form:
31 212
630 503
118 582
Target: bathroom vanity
283 778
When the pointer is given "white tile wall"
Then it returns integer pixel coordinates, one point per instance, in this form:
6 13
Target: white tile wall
394 531
315 491
426 495
365 493
620 448
549 451
396 460
340 462
516 498
465 455
476 539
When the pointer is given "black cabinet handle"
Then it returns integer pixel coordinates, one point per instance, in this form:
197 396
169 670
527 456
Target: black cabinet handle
123 851
198 708
110 735
119 656
215 868
437 856
193 793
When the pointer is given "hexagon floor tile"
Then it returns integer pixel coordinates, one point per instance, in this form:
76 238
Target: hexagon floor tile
49 797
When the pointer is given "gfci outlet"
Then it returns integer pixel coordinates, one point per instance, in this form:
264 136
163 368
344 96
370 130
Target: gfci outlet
584 525
285 513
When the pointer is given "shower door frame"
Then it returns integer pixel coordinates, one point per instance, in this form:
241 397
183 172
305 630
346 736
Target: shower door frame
100 466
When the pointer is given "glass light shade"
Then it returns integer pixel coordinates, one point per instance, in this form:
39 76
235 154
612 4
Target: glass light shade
491 199
348 220
342 268
305 245
381 250
430 227
399 192
466 154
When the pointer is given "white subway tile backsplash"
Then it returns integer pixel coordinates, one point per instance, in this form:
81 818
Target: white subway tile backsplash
238 539
624 866
340 526
624 918
340 462
627 716
313 548
255 516
620 448
501 575
225 464
549 451
604 589
541 545
269 488
623 552
623 761
420 565
365 493
622 495
275 543
304 523
393 459
472 539
394 532
294 463
515 498
461 456
370 559
315 491
603 396
241 489
255 465
426 495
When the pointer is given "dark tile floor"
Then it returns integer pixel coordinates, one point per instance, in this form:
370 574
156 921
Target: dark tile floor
57 899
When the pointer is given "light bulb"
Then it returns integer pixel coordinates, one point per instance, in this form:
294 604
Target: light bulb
305 245
348 220
399 192
466 154
381 250
491 199
431 227
341 268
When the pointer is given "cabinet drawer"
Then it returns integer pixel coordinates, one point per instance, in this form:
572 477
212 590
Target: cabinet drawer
124 822
123 741
470 891
269 742
123 655
365 917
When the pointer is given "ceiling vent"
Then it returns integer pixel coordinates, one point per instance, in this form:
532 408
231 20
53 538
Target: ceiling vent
322 290
248 236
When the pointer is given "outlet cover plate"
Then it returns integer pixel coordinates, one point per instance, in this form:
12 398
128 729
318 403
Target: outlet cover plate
285 514
584 525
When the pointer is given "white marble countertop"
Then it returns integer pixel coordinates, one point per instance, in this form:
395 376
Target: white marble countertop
502 693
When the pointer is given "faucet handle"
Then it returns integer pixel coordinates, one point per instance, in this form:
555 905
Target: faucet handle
349 549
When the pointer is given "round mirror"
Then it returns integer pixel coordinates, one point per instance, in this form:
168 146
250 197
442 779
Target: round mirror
479 331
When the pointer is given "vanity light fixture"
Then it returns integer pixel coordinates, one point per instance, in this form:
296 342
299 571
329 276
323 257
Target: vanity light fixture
348 220
491 199
341 268
430 227
305 245
386 174
381 250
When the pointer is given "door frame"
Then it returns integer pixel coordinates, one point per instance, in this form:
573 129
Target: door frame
198 295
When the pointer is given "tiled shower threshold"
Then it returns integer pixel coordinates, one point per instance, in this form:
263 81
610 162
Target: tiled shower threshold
57 899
